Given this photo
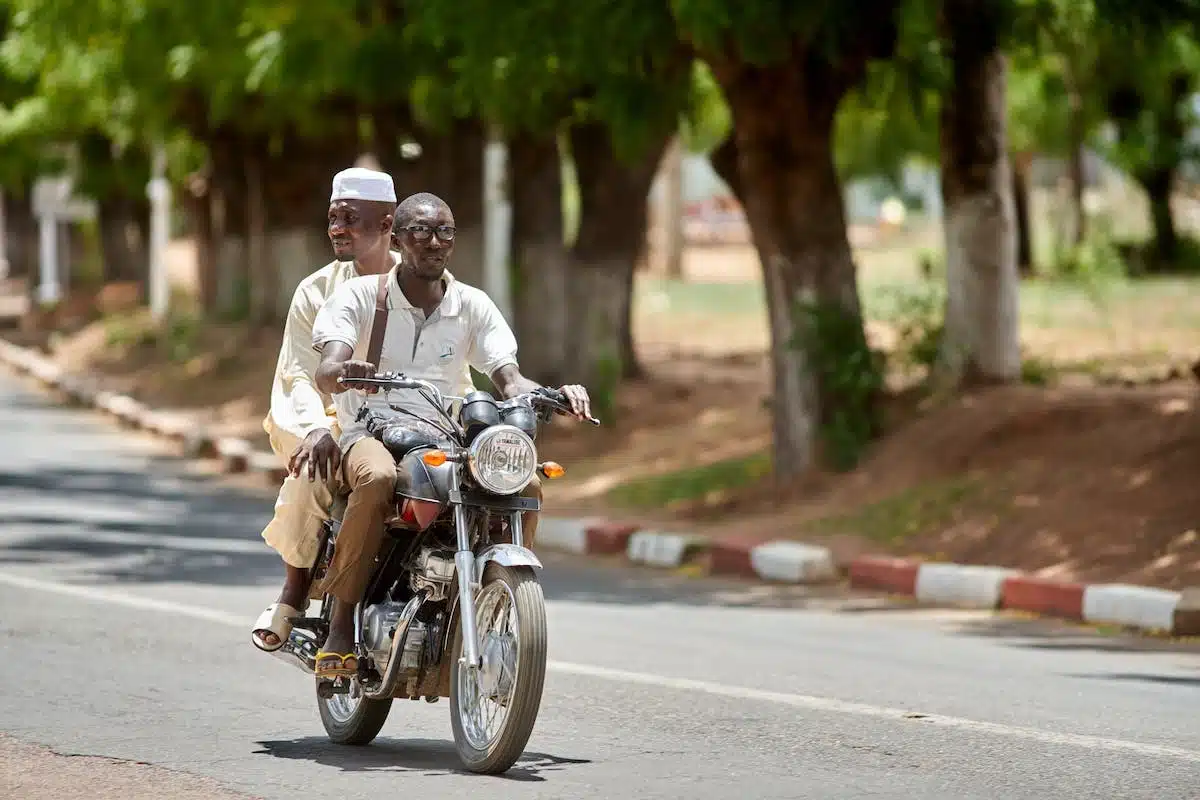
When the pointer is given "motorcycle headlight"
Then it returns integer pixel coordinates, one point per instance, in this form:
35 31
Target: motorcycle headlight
502 459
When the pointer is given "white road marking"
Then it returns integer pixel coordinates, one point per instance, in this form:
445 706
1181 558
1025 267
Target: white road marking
811 702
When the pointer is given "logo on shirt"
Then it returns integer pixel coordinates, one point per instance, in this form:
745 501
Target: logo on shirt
447 353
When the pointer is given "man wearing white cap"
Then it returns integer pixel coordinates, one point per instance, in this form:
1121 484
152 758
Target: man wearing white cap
302 422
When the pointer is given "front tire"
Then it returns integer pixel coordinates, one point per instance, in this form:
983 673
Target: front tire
482 751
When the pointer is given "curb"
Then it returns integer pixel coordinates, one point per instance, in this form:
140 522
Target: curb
1140 608
778 561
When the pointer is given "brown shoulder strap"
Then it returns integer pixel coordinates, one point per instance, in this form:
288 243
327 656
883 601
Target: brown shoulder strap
379 324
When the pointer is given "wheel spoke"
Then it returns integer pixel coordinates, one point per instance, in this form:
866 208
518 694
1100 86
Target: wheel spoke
496 616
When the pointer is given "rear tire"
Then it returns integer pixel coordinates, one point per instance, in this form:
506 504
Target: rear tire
352 721
526 699
347 720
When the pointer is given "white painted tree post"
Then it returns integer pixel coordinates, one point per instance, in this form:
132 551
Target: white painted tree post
49 195
159 192
497 222
4 268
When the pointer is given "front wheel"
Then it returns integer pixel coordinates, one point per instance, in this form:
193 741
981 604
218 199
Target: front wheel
493 709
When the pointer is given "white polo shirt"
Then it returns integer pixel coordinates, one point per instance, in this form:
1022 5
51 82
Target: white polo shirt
465 330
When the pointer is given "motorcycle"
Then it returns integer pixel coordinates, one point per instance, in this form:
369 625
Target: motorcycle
451 609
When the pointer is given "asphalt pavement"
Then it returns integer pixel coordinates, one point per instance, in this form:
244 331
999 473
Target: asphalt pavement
128 583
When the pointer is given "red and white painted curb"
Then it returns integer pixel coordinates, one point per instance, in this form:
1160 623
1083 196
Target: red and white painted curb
962 586
781 561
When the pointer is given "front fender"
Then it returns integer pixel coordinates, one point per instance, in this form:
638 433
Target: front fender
506 555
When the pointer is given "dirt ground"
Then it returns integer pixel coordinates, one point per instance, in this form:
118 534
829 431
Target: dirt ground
29 772
1092 477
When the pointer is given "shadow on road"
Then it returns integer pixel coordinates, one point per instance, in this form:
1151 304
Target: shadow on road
1166 680
1061 636
427 756
53 516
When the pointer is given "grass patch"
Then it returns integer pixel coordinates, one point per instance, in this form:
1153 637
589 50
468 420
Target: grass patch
913 511
693 483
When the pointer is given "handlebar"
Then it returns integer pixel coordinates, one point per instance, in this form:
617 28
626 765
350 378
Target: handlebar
556 401
552 399
388 382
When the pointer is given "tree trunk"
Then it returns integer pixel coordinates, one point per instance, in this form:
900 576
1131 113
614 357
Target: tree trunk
613 200
671 217
269 233
1020 176
724 161
1158 184
631 365
124 227
1076 134
260 280
199 205
785 171
21 234
1157 175
538 257
981 342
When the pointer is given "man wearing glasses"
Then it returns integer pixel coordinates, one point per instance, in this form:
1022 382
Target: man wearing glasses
434 328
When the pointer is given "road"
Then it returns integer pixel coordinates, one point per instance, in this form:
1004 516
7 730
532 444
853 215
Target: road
127 585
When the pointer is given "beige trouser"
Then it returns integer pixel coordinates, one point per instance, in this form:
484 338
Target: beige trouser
300 510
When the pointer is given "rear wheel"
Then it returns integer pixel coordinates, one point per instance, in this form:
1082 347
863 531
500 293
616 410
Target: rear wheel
493 709
351 718
348 716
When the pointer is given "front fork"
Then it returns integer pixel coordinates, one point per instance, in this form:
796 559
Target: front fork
468 581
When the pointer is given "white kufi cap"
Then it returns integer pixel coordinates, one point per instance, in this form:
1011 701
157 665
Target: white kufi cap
360 183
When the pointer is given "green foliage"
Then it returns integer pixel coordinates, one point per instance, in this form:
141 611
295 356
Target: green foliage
1096 260
709 483
707 119
617 63
603 388
178 335
918 316
921 509
892 117
849 376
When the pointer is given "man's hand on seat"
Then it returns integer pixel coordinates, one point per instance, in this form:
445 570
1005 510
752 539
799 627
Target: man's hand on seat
320 453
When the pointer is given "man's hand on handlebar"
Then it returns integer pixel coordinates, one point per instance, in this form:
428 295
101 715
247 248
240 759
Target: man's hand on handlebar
580 403
572 403
357 369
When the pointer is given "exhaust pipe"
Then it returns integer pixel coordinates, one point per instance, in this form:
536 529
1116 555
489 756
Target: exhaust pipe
300 650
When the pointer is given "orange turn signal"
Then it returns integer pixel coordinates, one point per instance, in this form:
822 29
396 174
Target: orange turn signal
552 470
434 458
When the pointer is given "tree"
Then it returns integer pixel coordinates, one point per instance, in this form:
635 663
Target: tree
784 69
605 88
981 342
1148 82
243 80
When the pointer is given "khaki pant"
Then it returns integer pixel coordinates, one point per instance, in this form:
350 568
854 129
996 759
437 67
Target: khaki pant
300 510
370 472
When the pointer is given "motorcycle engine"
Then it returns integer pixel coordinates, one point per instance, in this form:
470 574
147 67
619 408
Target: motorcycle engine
433 573
379 620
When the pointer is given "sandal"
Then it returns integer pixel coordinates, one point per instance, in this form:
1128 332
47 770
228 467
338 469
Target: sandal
335 665
276 621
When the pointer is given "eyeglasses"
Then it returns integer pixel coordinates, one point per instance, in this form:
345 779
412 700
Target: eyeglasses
423 233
